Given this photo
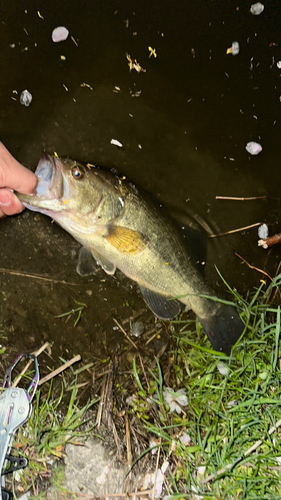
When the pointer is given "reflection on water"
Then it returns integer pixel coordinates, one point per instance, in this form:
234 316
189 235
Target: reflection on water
184 123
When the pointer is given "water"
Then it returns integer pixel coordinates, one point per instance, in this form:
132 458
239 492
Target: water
183 139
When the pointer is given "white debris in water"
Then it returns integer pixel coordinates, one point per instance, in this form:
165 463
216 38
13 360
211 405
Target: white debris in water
25 98
116 143
257 8
263 231
59 34
137 328
222 369
234 49
278 64
254 148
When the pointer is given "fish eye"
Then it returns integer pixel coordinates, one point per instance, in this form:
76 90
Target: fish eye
77 173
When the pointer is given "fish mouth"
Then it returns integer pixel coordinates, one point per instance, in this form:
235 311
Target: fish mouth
50 183
52 188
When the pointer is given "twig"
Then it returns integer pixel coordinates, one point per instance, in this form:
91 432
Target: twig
128 439
74 41
247 452
152 338
253 267
126 335
269 242
41 349
34 276
135 346
60 369
234 198
101 404
235 230
129 454
144 373
36 353
155 473
134 316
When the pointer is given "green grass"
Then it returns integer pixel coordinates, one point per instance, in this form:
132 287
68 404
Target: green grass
232 449
227 413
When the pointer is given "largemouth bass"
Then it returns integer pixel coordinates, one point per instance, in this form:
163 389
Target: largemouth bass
123 228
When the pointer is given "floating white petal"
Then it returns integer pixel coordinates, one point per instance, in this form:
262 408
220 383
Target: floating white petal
234 49
25 98
254 148
257 8
59 34
116 143
263 231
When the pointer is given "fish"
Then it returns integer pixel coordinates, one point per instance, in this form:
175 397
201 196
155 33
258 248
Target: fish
122 227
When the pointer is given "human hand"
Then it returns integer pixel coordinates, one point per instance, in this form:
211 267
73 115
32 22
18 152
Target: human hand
13 176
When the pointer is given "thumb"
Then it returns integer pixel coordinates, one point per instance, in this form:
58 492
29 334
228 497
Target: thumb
13 175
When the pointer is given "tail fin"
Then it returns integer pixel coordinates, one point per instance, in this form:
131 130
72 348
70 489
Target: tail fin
223 329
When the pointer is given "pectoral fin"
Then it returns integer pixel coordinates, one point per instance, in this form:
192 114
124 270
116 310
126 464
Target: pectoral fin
126 240
161 306
86 263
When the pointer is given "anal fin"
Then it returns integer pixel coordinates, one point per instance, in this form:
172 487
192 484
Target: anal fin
161 306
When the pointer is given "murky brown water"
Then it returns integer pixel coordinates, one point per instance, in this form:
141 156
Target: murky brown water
183 140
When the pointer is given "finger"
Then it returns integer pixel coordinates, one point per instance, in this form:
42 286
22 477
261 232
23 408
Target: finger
9 203
13 175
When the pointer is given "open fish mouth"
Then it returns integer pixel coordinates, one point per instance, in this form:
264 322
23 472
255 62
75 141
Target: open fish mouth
52 187
50 178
